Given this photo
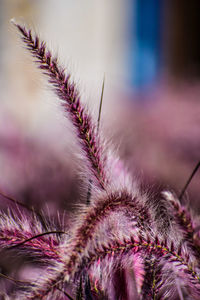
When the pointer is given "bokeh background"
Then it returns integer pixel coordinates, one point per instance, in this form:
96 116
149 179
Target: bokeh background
149 52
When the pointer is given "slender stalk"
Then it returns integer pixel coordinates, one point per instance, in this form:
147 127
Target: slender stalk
100 105
189 180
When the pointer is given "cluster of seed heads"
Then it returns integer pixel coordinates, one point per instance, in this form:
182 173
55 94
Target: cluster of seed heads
125 243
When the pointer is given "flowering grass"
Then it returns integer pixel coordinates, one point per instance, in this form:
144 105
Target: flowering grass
124 244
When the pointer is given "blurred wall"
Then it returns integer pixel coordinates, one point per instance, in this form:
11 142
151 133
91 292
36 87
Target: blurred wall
182 43
145 35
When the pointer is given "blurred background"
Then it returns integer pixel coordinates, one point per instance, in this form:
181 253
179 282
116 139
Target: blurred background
149 51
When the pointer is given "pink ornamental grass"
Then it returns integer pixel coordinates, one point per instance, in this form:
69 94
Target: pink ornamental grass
124 243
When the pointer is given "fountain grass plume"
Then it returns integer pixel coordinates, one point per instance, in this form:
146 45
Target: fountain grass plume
67 92
125 243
